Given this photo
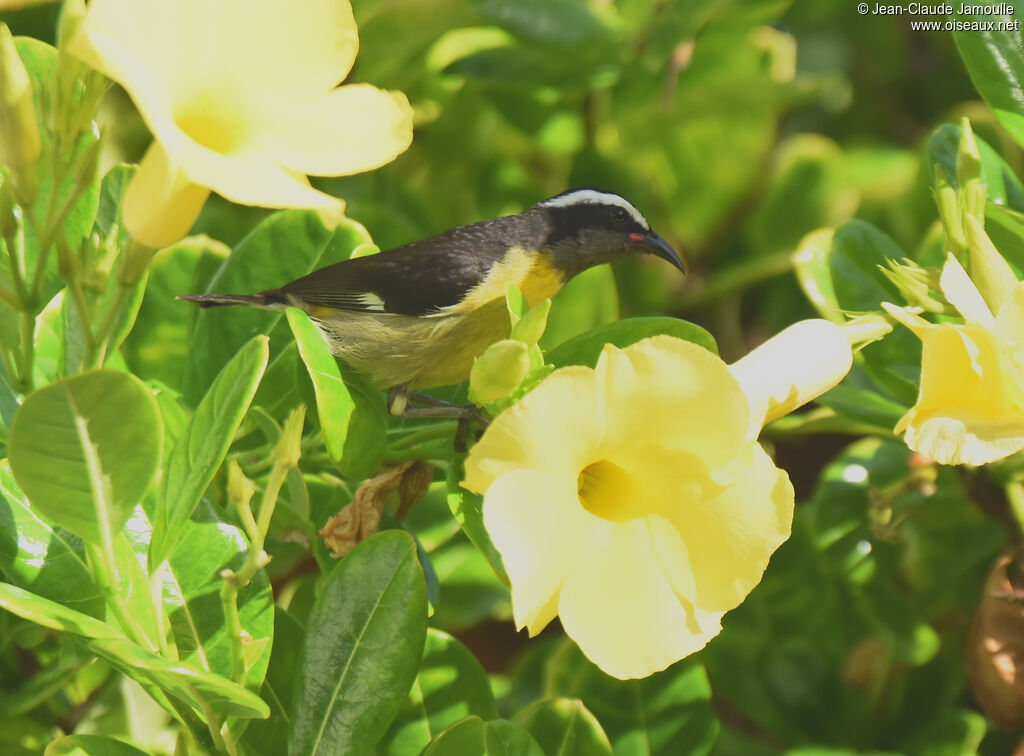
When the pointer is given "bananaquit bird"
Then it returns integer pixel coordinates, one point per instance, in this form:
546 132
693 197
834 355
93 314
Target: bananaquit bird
416 316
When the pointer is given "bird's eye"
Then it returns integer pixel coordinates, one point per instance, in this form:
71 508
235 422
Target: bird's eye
618 215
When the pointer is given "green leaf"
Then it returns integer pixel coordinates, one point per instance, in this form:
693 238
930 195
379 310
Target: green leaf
467 508
586 348
270 735
811 263
1001 183
364 641
471 589
158 346
192 581
561 25
200 450
53 615
450 685
86 449
41 558
858 251
864 405
198 688
668 712
474 736
285 246
91 745
995 62
564 727
352 422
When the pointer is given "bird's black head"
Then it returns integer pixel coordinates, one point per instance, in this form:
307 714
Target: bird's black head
587 227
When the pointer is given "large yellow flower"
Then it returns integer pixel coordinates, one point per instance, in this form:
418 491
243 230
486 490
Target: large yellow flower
970 408
633 501
241 97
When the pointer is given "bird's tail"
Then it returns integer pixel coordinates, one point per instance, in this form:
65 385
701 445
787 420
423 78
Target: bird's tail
264 300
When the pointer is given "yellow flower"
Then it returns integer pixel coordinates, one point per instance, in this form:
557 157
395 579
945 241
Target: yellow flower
970 408
632 500
241 98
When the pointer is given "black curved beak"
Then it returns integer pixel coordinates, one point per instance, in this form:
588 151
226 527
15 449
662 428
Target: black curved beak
655 245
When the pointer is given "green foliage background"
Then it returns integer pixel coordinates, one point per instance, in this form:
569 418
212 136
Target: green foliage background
738 127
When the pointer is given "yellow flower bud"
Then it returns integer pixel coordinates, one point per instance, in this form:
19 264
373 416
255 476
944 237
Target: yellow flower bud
990 272
792 368
19 134
498 371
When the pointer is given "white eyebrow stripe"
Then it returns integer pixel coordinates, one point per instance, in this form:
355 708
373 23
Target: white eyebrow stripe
595 197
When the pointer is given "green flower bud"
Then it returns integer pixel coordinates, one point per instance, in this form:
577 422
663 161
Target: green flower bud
531 327
19 134
498 371
289 446
968 156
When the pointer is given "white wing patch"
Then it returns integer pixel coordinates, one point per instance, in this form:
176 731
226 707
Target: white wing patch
370 301
596 197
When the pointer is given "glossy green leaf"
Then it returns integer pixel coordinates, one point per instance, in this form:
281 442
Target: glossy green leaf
474 736
564 727
450 685
158 346
198 688
270 735
858 251
200 450
41 558
55 616
352 423
995 61
364 641
669 711
91 745
586 348
285 246
811 264
86 449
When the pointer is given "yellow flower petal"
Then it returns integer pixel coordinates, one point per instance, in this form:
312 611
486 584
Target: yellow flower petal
1010 318
965 412
792 368
676 392
730 537
530 517
961 292
248 50
249 177
620 608
160 202
240 93
555 429
352 129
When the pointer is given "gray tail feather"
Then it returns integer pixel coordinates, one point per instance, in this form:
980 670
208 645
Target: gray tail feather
253 300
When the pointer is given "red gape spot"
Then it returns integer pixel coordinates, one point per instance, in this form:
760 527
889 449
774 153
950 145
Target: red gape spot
636 237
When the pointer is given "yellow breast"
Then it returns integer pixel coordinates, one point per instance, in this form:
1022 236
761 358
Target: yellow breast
532 272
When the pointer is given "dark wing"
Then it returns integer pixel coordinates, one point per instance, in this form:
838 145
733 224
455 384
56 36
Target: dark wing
415 279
